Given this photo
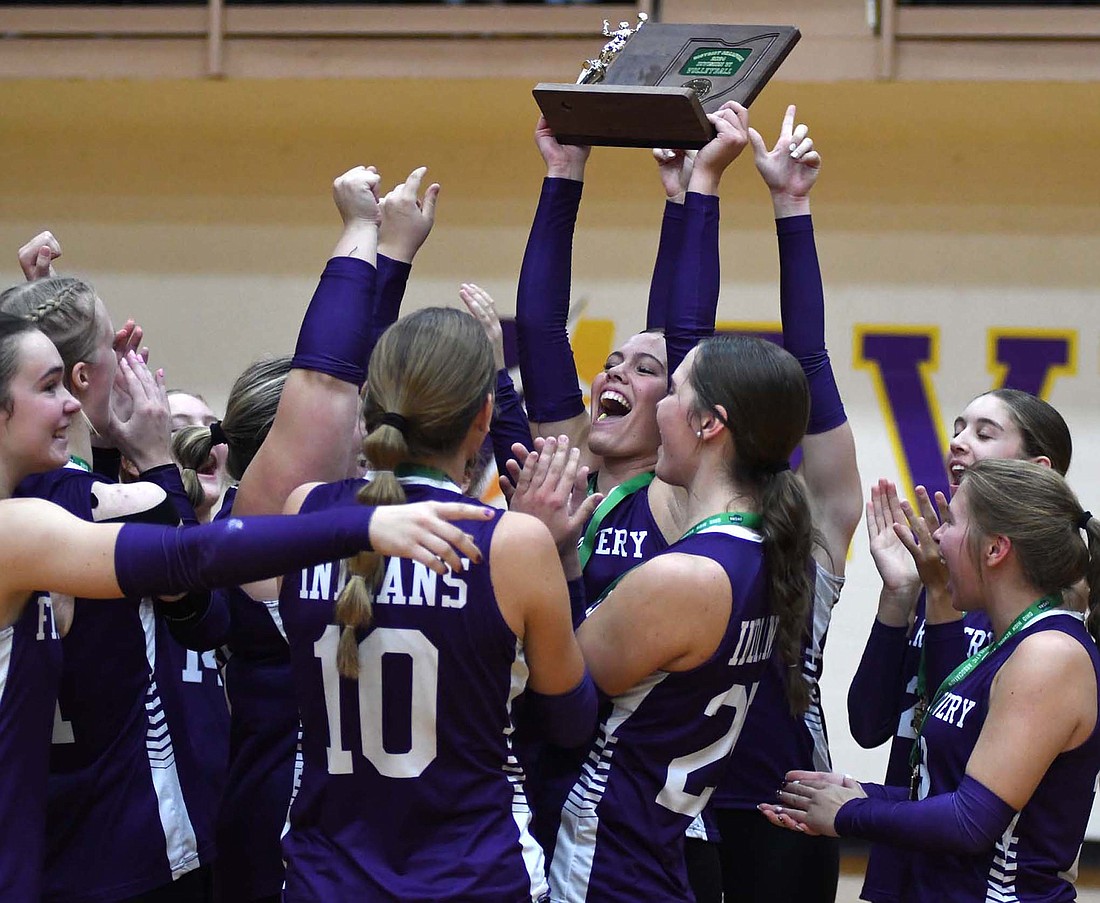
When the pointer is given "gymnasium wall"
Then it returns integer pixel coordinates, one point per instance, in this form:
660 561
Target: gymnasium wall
958 226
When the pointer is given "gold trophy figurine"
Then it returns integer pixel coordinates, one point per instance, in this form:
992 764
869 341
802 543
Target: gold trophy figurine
594 71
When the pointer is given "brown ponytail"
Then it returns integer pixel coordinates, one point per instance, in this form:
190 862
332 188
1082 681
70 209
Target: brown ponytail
429 376
763 392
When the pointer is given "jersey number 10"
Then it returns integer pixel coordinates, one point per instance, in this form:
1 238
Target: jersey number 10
425 680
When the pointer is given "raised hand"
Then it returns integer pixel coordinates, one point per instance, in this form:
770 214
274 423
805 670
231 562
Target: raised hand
894 562
37 255
128 338
731 121
356 195
407 217
900 580
674 167
423 532
481 306
139 419
916 536
790 169
552 485
563 161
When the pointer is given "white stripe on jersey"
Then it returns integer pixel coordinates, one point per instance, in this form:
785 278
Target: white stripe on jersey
295 786
1001 883
575 849
826 592
7 640
735 531
419 480
533 858
697 830
181 844
272 606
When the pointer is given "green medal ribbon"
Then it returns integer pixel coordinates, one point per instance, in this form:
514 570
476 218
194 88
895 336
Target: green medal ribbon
417 470
81 463
727 518
611 501
964 670
734 518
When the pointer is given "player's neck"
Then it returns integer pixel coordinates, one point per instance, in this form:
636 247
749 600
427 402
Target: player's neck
1007 602
454 466
711 492
614 471
80 438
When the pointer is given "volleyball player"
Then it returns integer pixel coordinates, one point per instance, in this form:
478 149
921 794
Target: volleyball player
122 739
760 862
107 562
1006 768
891 687
410 790
681 643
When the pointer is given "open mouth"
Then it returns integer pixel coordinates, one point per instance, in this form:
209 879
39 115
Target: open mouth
955 473
209 468
612 404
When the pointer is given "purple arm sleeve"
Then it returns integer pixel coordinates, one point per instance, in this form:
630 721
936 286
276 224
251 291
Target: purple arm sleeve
885 791
542 306
568 719
393 276
151 561
664 270
873 696
802 308
693 304
968 821
335 333
510 422
946 646
167 477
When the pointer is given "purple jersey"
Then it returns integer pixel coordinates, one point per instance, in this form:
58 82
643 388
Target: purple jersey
888 867
662 745
30 670
628 535
410 790
264 760
1036 857
773 741
119 756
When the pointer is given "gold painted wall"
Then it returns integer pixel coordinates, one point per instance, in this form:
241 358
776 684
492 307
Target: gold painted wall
202 208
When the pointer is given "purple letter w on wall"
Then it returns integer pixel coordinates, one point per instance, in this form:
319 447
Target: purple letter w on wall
901 360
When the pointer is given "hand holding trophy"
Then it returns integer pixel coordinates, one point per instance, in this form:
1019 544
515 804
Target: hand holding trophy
653 85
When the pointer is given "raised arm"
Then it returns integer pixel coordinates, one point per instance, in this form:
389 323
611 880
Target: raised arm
790 170
674 167
693 300
875 696
36 257
407 220
555 403
509 424
321 395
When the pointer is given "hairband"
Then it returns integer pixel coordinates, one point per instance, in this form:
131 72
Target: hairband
776 468
1083 520
217 434
398 422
